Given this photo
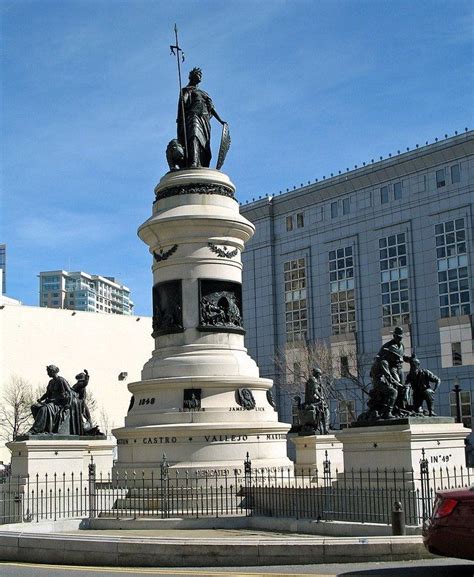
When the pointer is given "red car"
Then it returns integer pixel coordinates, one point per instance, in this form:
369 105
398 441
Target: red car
450 530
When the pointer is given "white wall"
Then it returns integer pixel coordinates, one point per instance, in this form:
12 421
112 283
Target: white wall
105 345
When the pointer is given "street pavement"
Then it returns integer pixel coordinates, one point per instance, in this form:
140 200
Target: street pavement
438 567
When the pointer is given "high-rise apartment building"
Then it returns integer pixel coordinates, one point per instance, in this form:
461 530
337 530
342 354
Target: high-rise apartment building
345 259
81 291
3 268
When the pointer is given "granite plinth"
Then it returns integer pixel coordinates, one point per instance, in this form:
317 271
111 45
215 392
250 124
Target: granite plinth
414 420
313 450
400 444
58 454
56 437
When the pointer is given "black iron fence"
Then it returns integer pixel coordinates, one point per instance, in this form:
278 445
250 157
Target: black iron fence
357 496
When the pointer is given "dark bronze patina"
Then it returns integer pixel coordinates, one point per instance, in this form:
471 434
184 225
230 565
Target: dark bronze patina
191 399
313 414
192 148
389 397
167 308
62 410
220 306
245 399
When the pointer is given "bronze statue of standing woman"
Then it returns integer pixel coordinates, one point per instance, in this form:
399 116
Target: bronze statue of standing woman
195 110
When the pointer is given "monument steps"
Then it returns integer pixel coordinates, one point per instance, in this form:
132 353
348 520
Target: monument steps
178 501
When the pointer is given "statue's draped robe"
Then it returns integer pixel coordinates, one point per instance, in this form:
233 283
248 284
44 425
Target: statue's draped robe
198 111
80 389
58 405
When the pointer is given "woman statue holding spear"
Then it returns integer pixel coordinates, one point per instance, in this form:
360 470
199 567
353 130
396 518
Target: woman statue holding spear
195 111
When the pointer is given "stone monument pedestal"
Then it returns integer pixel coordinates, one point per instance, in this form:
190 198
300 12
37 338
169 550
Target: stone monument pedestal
311 454
58 455
201 405
398 446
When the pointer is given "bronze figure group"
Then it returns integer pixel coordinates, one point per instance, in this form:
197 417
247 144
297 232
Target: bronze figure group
389 396
63 410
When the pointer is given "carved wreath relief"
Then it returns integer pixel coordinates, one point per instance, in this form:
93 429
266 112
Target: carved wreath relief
220 305
223 252
164 254
167 308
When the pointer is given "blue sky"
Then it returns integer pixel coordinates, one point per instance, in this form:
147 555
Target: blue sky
308 87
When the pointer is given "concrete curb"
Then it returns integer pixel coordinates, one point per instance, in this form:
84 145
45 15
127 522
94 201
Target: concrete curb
91 548
280 524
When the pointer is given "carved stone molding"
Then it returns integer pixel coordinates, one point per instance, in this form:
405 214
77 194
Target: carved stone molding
196 188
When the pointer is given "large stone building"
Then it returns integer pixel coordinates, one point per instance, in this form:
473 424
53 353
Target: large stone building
81 291
113 348
348 257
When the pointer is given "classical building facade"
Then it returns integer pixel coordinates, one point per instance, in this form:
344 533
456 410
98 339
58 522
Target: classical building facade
82 291
347 258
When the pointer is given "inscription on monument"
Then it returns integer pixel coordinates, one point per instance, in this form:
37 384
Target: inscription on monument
158 440
225 438
440 458
245 409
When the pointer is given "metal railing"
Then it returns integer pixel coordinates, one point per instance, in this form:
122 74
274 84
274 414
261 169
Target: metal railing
357 496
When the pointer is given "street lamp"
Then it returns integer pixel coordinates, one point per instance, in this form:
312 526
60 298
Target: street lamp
457 392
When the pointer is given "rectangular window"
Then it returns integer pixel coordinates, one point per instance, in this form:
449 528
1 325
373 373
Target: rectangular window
424 183
289 223
453 278
397 191
334 210
346 410
300 220
455 174
466 410
296 308
344 363
394 280
341 286
456 354
384 194
346 206
440 178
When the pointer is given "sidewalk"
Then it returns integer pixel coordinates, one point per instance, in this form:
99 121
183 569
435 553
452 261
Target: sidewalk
165 547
